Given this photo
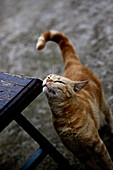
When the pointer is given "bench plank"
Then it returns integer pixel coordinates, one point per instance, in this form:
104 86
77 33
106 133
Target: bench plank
14 79
10 85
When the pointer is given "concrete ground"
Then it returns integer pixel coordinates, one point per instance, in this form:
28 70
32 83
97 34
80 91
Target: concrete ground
89 25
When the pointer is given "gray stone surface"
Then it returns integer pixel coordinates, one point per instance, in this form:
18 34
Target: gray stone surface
89 24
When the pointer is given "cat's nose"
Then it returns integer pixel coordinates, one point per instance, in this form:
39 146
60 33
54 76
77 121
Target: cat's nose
49 80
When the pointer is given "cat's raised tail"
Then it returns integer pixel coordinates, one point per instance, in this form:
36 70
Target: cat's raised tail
69 54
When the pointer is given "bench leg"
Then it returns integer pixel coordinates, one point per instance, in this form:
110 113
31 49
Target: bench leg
34 160
41 140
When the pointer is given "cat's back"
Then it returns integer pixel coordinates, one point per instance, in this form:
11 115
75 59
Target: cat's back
81 73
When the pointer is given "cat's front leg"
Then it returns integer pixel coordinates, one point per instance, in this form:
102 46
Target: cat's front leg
87 160
102 154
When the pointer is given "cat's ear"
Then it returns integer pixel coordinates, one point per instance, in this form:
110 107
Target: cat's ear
79 85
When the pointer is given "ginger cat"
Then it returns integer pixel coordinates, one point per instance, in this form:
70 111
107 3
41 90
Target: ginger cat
79 108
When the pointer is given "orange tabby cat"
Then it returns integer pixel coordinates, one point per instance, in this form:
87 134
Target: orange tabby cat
78 105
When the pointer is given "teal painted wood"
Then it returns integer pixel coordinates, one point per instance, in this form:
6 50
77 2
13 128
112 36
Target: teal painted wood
34 160
10 85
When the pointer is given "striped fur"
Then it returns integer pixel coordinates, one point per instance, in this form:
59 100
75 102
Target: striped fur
78 105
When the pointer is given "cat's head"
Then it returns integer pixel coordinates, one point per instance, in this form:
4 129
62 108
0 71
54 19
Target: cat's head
55 86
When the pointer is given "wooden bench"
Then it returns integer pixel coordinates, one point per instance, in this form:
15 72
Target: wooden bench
16 93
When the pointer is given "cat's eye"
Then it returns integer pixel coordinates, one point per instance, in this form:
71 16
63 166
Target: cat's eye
75 90
59 82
